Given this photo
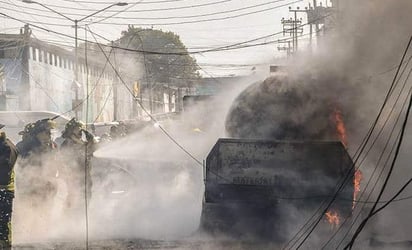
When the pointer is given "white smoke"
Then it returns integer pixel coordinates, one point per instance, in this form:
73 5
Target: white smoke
144 185
165 194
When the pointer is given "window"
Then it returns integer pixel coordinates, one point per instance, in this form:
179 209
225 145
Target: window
40 55
33 53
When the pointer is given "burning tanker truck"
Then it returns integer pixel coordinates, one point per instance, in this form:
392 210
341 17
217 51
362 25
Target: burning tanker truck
285 157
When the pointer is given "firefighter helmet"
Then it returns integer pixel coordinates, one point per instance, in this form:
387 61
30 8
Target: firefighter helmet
26 131
42 125
39 126
70 127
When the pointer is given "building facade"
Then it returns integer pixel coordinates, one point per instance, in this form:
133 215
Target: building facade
38 76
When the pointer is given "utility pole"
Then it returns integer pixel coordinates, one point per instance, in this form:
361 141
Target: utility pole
115 84
289 28
150 96
76 73
310 29
76 86
317 23
318 15
297 26
137 94
24 93
287 48
169 96
293 26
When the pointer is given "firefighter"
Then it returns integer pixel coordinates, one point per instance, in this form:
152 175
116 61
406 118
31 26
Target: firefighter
23 145
76 136
117 131
37 149
8 157
78 147
37 139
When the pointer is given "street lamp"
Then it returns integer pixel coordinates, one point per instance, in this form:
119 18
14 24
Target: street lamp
76 21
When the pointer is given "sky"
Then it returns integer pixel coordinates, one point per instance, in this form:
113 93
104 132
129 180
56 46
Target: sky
201 25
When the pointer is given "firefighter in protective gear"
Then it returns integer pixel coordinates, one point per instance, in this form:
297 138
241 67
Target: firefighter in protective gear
80 144
36 138
8 157
37 149
117 131
76 135
24 144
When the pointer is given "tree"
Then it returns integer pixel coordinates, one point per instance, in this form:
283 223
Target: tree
170 63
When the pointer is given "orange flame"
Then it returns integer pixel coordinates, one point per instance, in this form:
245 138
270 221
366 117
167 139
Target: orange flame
356 186
333 218
340 127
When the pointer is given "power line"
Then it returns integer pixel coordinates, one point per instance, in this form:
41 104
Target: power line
228 47
386 144
30 13
35 18
63 38
361 149
93 89
371 192
221 48
361 226
206 20
219 65
104 104
365 188
146 2
153 119
115 14
394 83
295 237
199 15
182 22
131 11
393 197
38 22
379 160
144 109
372 211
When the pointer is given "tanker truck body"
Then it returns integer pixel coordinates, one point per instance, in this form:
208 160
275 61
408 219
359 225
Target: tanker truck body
252 186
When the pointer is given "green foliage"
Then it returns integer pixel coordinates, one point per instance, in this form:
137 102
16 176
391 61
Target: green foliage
170 63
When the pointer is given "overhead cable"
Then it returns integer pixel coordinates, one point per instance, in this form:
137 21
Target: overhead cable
378 162
361 226
361 149
108 11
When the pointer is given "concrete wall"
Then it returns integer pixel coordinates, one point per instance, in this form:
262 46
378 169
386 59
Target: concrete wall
42 76
51 87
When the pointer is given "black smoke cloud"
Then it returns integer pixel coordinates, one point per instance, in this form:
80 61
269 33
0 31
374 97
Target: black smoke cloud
351 69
